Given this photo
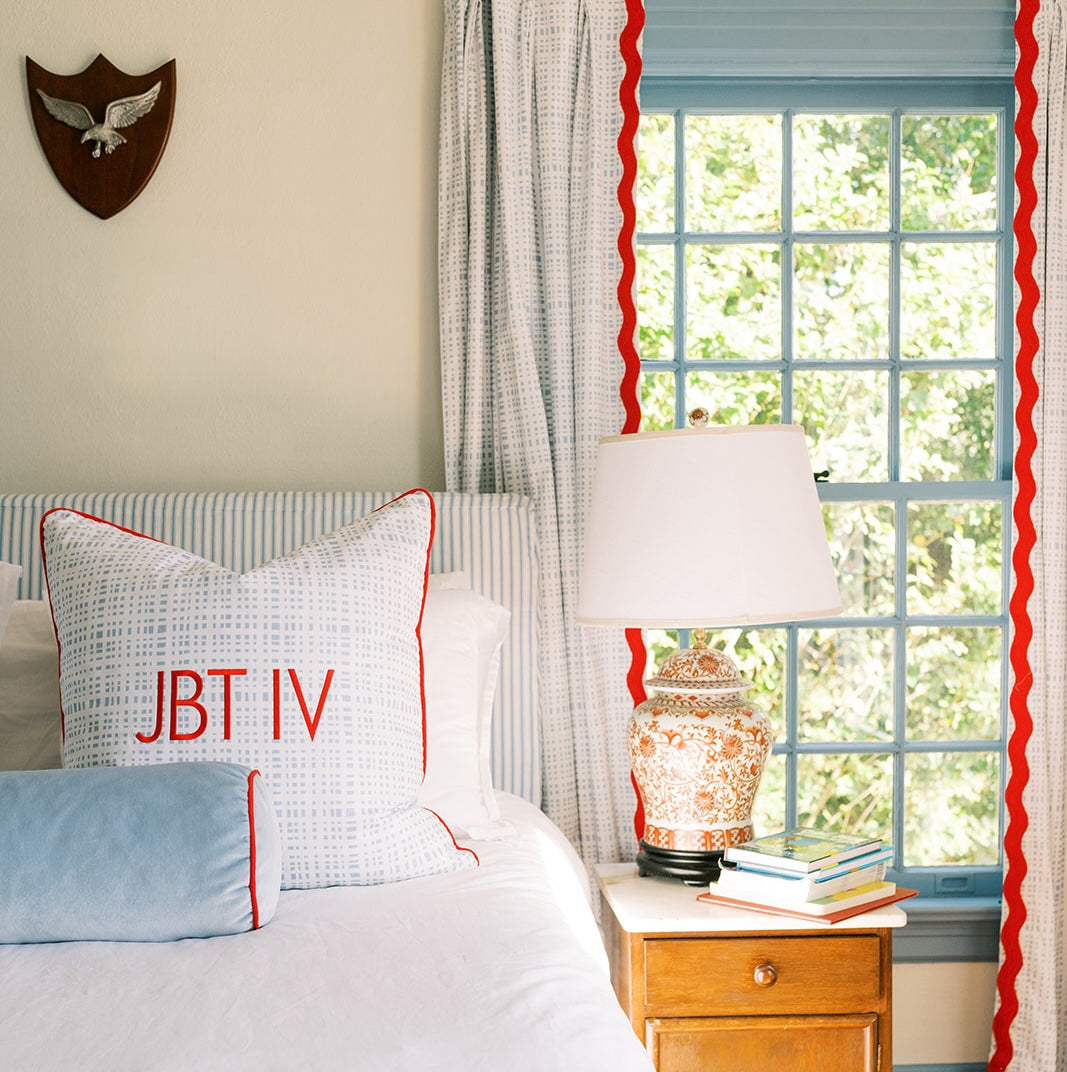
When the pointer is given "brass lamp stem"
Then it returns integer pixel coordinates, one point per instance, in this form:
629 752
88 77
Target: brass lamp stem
698 639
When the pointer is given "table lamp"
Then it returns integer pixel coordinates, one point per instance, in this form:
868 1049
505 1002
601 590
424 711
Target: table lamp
691 528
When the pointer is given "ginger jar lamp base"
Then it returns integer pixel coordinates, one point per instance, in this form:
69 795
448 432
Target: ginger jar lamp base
697 750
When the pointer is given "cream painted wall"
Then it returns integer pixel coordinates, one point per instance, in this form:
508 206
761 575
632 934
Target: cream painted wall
943 1013
264 315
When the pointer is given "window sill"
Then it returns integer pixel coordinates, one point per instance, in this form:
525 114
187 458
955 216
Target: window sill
949 929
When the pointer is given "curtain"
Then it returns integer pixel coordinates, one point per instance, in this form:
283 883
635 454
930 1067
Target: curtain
530 263
1030 1023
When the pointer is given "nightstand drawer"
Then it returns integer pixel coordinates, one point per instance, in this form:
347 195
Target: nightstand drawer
846 1043
760 975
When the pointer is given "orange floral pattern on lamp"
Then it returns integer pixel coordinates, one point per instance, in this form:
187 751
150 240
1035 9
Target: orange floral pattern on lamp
698 751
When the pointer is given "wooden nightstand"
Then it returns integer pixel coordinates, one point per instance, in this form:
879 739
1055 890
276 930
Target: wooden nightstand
709 988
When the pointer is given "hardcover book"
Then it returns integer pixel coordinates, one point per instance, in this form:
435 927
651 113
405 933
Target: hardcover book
802 849
795 888
881 894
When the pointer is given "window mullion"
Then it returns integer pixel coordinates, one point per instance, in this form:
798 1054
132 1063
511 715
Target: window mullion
900 648
680 329
900 669
786 266
792 678
895 216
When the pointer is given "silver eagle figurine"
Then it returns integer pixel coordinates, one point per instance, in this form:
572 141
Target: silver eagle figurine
119 113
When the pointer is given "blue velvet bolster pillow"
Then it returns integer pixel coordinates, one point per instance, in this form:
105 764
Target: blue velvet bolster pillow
141 854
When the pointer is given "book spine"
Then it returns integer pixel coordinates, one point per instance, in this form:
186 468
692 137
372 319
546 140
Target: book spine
848 881
870 891
768 860
823 874
747 855
797 890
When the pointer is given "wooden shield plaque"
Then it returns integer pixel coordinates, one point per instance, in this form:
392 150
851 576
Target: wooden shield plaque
103 131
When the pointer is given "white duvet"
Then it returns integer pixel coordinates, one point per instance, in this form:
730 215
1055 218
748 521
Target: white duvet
499 968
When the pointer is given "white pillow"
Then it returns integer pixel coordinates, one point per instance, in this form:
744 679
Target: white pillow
29 689
462 634
308 668
9 587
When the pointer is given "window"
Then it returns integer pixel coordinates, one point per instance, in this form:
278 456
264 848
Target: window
837 255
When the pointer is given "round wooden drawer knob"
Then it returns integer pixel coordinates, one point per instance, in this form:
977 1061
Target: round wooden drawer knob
765 975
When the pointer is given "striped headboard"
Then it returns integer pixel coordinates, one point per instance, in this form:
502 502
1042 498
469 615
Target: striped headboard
490 537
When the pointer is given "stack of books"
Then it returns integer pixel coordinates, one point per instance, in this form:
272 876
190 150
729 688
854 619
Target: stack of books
813 874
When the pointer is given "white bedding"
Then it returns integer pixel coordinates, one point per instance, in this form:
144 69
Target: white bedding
500 968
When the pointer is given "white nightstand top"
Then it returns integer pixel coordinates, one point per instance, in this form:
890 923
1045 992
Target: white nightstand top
650 904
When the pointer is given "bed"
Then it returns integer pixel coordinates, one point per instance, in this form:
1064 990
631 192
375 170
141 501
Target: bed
472 945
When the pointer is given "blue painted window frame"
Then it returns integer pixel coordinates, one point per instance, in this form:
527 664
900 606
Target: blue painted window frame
952 894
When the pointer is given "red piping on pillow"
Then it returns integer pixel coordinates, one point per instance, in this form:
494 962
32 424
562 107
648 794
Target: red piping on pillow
422 659
44 564
459 847
1029 344
425 586
252 891
418 628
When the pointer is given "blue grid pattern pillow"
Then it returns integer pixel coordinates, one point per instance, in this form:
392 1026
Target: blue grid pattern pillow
308 667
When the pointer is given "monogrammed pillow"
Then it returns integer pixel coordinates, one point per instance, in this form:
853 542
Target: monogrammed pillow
308 668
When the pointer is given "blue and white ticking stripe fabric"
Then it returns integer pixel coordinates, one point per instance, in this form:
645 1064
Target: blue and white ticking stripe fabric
489 537
528 273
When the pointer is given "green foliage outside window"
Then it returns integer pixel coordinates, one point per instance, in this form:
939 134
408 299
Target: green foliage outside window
856 294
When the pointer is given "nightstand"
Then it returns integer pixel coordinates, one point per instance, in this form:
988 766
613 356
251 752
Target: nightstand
709 987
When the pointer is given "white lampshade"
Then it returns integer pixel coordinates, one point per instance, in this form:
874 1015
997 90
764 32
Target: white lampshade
706 526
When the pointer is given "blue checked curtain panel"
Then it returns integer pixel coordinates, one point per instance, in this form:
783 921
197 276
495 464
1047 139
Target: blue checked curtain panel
529 266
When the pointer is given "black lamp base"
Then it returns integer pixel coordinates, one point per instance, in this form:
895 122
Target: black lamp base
693 868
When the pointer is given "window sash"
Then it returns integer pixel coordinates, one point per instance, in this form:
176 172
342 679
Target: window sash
683 96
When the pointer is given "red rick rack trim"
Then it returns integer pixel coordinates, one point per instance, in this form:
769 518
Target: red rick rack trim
631 114
1022 721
